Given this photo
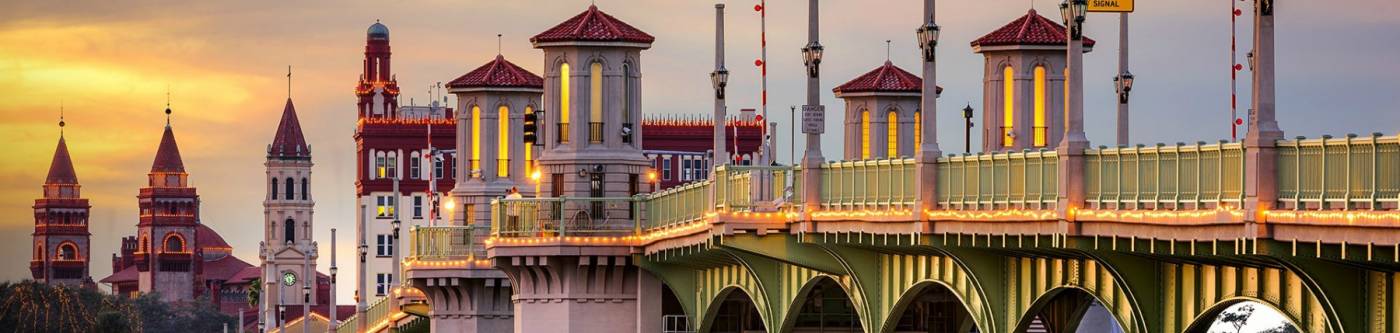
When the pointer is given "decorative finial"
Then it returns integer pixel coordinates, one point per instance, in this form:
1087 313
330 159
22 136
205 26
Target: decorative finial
289 81
167 105
498 44
60 118
887 50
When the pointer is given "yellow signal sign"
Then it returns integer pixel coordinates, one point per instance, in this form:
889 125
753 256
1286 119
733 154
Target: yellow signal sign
1111 6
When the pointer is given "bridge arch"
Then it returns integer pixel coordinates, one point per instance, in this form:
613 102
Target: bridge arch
722 307
1038 283
912 294
1206 318
1062 308
799 298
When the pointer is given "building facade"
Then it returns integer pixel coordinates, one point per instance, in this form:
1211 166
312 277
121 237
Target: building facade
61 239
680 149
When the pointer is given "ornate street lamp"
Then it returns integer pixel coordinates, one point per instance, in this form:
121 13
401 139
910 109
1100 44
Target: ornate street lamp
967 132
363 250
1072 11
1124 84
720 79
928 38
1249 58
812 57
396 224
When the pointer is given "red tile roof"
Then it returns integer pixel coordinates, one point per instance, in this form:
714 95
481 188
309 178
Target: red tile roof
593 25
289 141
886 78
168 155
61 169
125 275
224 269
1031 29
246 275
498 73
207 237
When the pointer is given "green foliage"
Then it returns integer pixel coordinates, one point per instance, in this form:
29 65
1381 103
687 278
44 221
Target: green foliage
34 307
254 292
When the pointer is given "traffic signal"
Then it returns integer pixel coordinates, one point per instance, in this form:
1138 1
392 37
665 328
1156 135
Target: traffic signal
530 127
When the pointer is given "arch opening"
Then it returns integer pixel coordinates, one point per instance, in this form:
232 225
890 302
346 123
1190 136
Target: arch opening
825 308
736 313
1243 316
931 308
1069 310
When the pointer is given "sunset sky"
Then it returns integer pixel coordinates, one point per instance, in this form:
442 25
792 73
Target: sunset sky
224 63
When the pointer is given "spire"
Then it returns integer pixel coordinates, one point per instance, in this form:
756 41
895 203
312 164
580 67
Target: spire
289 142
61 169
168 155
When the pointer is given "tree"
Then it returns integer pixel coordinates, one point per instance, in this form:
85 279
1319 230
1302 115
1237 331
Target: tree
1238 317
1282 328
254 292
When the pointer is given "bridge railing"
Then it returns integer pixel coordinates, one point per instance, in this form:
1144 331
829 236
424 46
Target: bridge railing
1339 173
444 243
679 205
746 188
1026 180
870 184
374 314
566 216
1192 176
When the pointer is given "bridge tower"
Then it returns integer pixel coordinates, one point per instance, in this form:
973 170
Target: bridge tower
592 149
493 100
1024 76
882 110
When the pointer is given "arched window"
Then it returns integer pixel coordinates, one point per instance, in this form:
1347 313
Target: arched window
174 244
503 143
291 184
595 102
145 243
893 127
1040 136
67 251
305 189
865 135
564 77
918 129
529 159
392 165
1008 117
289 230
415 165
38 251
476 139
274 189
626 93
380 169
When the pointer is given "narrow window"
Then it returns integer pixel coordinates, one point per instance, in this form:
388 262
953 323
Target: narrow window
627 101
380 170
393 165
305 189
291 184
476 139
595 103
503 141
865 135
289 230
1008 91
564 103
1040 130
666 168
415 165
529 155
274 189
893 127
918 129
438 161
417 207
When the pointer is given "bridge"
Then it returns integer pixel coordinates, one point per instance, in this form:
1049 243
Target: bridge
1166 237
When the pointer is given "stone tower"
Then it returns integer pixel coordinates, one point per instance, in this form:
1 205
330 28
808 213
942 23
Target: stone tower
1023 100
493 100
169 213
882 113
592 103
287 251
378 89
61 237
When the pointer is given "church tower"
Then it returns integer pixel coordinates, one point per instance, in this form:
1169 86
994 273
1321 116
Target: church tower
1023 99
61 238
287 250
378 89
592 102
169 210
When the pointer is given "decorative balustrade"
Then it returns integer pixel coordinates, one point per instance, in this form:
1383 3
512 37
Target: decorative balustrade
1345 173
375 314
566 216
868 185
679 205
748 188
444 243
1025 180
1194 176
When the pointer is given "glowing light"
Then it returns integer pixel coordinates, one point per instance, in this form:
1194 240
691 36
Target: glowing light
1333 217
535 176
1006 214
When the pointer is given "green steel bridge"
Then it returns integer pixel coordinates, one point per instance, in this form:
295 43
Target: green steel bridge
1164 237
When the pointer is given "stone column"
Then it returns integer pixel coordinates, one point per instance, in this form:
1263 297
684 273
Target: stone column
928 151
1072 145
1261 188
812 157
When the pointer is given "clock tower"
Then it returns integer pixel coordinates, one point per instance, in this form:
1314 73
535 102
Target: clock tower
288 253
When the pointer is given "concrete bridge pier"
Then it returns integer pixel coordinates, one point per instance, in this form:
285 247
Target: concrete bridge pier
464 300
580 289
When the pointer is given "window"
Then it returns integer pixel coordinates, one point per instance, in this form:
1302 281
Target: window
305 189
685 169
564 103
291 184
381 284
380 170
415 168
666 168
67 251
918 130
437 166
476 141
417 207
384 206
393 165
174 244
529 158
892 119
634 187
595 103
274 189
1008 117
384 245
503 143
626 93
289 230
1040 130
865 135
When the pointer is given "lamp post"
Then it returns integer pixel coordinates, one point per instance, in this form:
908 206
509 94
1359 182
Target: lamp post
1123 84
719 79
967 132
1070 150
813 127
928 43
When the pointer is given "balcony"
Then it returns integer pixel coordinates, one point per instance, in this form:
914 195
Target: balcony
595 132
565 216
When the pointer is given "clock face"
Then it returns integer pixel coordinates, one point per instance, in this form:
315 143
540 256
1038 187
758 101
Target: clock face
289 278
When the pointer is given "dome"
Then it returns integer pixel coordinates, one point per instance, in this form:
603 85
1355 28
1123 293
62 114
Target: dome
378 31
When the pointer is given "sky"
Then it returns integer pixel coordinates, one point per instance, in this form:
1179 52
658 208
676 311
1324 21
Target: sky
109 66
